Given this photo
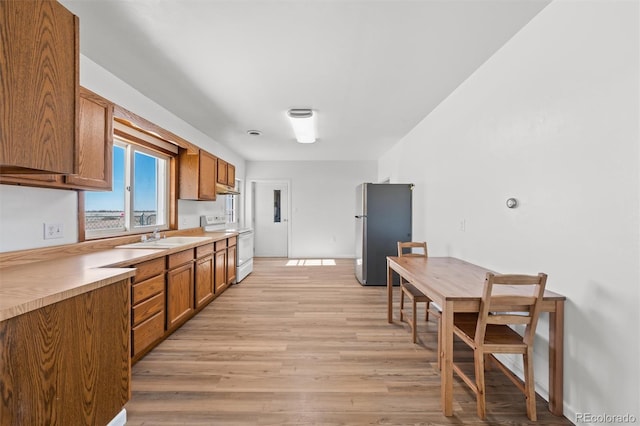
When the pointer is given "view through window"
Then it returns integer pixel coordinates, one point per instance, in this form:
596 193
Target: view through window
138 201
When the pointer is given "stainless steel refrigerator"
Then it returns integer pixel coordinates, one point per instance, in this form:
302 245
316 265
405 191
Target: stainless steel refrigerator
383 217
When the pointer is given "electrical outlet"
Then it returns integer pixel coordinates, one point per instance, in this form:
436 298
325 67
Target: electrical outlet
53 230
463 225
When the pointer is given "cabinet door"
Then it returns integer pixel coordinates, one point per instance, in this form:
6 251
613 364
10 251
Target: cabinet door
188 172
231 174
179 295
95 143
204 280
197 175
220 271
95 150
222 171
231 264
207 178
39 69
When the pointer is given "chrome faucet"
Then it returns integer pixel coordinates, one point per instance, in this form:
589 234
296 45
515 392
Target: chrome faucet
155 236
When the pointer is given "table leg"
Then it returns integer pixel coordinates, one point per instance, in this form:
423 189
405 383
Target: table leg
446 378
556 359
389 293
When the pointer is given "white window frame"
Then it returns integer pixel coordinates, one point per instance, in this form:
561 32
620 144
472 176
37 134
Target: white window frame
233 208
163 195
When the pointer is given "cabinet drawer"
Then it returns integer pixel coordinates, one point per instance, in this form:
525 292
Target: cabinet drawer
202 251
147 308
148 269
180 258
146 289
222 244
232 241
147 333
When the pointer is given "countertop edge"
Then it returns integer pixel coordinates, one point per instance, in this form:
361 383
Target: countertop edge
107 277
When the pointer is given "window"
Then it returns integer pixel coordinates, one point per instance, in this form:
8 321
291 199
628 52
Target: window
232 206
276 206
140 197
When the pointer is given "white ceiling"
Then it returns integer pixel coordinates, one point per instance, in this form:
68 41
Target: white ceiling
371 69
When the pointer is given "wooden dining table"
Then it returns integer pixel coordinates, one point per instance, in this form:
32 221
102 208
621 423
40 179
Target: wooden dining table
456 286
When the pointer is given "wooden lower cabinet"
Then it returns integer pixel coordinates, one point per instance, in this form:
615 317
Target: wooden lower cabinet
231 260
204 285
180 283
147 306
220 279
67 363
169 290
145 335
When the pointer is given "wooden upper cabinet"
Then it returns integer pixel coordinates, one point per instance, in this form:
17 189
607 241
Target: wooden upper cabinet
222 171
197 173
226 173
95 143
231 174
94 154
38 87
208 168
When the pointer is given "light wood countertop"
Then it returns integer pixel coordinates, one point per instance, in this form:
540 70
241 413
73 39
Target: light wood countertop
31 286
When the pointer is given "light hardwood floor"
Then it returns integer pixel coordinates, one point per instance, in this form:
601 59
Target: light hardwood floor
303 345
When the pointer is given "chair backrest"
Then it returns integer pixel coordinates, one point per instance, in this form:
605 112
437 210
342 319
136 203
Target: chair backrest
511 299
410 245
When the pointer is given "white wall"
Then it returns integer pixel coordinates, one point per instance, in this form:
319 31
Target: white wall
24 210
551 119
323 201
101 81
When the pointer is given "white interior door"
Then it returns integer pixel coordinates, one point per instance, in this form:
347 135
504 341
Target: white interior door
271 219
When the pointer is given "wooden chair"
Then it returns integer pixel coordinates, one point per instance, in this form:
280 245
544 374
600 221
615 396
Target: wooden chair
408 289
507 300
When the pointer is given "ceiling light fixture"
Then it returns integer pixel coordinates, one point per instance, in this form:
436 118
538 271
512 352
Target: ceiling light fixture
303 123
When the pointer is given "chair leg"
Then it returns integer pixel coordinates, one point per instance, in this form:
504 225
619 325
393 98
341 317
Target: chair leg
401 303
439 344
487 362
530 391
426 311
414 318
480 386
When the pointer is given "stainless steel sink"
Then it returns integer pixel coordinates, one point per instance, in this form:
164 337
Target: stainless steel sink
164 243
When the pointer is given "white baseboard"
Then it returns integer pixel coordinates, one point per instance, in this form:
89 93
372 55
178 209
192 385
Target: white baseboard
120 419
